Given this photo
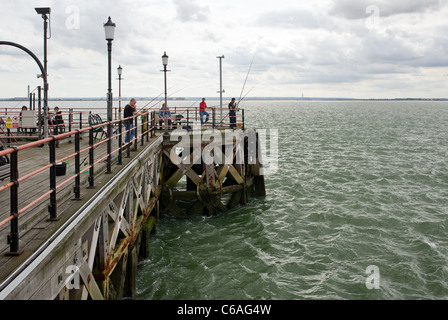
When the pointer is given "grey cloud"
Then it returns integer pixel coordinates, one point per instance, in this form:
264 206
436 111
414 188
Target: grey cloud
294 18
191 11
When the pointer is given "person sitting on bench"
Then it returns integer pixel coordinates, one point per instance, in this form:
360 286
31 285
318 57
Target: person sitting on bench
58 120
165 116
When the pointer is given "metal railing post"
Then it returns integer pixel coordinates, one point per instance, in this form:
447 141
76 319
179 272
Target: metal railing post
52 208
77 188
188 118
128 138
135 133
91 160
153 123
70 119
109 147
13 237
142 118
147 126
120 142
56 132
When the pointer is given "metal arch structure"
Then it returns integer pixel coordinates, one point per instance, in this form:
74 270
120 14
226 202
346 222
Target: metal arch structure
44 76
94 254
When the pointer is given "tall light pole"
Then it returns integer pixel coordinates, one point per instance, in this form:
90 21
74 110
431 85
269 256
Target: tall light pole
220 82
120 72
44 12
165 63
109 30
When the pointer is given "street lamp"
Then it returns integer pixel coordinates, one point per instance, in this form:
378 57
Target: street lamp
165 63
120 72
109 30
43 12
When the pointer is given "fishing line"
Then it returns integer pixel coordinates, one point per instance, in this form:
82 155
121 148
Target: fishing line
244 85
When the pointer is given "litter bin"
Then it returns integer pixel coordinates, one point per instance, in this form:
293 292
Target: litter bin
61 168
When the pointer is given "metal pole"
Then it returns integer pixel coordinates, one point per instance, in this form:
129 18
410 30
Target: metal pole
39 111
220 83
44 16
13 237
41 67
119 96
91 160
120 143
109 108
166 97
77 188
52 208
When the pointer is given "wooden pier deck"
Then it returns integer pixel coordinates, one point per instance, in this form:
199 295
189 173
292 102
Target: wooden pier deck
91 250
36 227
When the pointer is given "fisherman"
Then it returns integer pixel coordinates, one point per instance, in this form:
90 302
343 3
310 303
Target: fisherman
232 113
129 111
202 112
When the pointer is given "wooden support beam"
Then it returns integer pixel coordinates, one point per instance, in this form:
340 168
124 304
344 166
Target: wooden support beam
236 175
117 278
89 281
129 289
234 200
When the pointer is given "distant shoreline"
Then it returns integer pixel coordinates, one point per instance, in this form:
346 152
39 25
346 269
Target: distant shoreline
246 99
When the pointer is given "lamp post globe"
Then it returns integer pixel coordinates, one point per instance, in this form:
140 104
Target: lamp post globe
109 29
165 59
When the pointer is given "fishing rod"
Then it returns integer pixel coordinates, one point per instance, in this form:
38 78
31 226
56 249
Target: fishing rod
237 104
144 107
158 101
246 95
191 106
247 75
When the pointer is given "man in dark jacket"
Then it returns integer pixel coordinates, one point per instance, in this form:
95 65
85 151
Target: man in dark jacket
129 111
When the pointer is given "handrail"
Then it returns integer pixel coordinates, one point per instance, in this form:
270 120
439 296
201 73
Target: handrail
147 127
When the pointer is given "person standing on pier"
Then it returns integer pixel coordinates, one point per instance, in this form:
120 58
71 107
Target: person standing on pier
232 113
164 116
19 129
202 112
129 111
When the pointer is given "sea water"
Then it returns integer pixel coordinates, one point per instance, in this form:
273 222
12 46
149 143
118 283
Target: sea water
356 210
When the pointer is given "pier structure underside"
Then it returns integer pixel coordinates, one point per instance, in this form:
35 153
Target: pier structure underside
209 172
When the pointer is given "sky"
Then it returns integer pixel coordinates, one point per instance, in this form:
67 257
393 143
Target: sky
284 48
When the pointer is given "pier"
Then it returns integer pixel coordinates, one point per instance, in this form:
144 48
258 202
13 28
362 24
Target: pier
76 215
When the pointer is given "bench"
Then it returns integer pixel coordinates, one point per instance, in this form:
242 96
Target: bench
95 119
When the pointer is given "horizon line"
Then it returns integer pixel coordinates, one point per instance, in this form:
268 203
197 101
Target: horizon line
217 98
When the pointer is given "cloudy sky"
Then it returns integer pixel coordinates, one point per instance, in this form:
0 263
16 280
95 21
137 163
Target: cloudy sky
324 48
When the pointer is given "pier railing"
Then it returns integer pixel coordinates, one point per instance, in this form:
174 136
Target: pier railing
87 158
13 125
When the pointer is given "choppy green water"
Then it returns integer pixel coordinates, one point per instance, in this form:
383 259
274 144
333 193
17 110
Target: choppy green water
359 184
